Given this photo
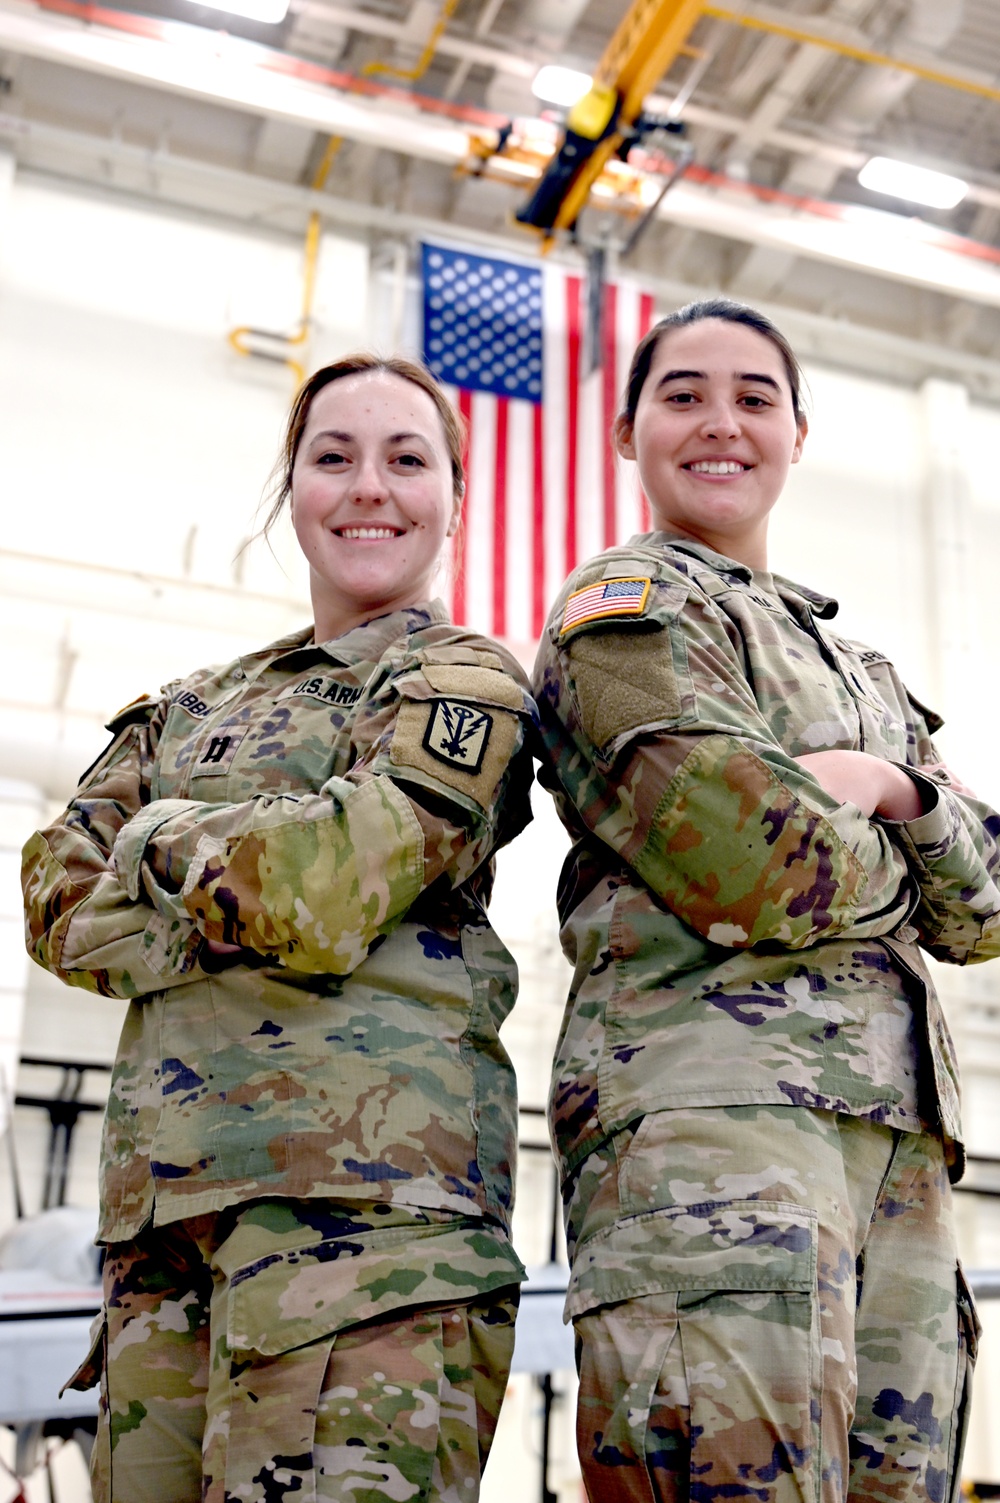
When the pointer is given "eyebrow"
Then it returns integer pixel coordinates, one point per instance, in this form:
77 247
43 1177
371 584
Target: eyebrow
755 376
347 438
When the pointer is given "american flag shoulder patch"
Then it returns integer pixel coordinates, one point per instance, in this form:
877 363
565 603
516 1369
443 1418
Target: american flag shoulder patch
607 598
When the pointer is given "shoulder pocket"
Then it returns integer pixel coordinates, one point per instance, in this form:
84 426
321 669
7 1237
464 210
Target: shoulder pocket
459 725
628 677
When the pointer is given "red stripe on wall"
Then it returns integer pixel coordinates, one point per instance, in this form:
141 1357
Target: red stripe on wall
500 521
460 590
574 288
538 601
609 406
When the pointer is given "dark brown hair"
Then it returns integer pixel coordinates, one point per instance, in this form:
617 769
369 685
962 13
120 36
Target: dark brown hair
730 312
362 364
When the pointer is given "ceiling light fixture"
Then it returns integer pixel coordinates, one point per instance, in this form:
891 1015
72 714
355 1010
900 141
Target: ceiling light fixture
556 85
919 185
268 11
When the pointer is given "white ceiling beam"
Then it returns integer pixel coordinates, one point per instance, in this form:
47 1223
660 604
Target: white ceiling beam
449 45
228 71
869 240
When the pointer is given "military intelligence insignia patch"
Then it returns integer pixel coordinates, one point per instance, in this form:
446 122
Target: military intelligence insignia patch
458 734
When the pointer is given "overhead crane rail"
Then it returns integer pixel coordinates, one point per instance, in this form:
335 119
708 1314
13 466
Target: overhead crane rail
608 120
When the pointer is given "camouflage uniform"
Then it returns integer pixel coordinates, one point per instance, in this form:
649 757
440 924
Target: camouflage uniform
332 810
746 965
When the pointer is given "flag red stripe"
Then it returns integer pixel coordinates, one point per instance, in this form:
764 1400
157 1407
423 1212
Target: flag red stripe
460 587
500 521
609 402
647 316
538 601
574 287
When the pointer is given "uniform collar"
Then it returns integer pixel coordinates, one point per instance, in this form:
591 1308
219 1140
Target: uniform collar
823 606
362 644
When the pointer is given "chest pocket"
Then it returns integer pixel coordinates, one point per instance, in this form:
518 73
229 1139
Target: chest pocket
262 745
883 727
294 742
800 686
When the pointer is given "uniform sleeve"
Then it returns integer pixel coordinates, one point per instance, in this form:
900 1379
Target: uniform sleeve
952 849
659 745
955 860
80 922
441 777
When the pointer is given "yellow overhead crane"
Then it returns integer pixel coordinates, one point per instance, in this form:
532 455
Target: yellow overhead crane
651 34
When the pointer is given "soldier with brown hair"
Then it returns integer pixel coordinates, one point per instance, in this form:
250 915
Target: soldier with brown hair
755 1098
284 862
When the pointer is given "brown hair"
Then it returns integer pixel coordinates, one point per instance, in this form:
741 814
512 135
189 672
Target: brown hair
716 307
361 364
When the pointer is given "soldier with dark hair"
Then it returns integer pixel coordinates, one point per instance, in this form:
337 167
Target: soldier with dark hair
755 1098
284 862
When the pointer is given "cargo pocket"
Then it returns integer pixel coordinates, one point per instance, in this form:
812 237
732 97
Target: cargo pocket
91 1372
709 1370
969 1332
91 1369
313 1386
280 1338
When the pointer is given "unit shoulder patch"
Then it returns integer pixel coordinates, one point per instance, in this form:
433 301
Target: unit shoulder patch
606 599
458 734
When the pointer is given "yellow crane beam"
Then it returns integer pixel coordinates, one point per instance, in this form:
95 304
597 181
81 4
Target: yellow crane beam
650 35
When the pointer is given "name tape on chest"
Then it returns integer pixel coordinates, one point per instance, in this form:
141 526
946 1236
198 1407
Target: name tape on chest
193 704
331 691
605 600
458 734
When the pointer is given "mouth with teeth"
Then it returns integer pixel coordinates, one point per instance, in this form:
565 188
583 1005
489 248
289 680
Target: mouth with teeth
717 467
368 534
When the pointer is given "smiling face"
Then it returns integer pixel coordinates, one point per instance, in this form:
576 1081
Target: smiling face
714 435
372 498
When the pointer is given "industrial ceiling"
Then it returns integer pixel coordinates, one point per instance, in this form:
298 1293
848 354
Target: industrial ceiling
387 115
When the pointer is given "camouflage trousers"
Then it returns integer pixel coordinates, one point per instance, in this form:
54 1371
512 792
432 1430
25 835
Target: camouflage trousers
397 1409
769 1308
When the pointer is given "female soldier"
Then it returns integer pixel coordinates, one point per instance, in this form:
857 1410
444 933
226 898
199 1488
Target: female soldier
307 1173
754 1098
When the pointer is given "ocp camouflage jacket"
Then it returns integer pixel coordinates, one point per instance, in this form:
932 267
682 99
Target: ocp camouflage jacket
333 810
737 936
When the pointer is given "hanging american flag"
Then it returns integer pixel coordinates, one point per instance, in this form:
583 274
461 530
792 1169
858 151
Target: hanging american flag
545 490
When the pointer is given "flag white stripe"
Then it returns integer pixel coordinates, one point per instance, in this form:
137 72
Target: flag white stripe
520 528
554 443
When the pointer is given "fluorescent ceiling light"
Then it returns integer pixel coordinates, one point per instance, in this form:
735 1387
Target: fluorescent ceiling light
556 85
269 11
917 184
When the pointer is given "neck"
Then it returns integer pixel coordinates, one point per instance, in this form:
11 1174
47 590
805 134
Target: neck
749 548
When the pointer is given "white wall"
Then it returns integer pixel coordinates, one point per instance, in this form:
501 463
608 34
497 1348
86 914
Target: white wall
133 448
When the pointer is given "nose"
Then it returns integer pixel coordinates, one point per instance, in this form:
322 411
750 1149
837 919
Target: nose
720 418
368 482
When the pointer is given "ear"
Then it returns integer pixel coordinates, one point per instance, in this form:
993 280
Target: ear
456 515
622 431
803 427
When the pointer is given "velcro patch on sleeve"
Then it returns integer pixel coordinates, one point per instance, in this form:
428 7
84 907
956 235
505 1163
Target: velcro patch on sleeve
486 684
623 681
455 742
606 599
